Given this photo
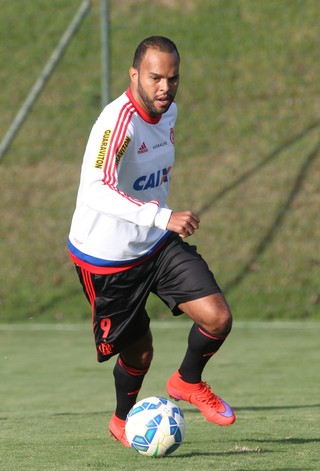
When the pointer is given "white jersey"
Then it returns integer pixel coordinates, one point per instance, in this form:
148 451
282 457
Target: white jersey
121 213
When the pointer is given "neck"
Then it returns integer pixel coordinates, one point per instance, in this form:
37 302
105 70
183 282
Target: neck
141 111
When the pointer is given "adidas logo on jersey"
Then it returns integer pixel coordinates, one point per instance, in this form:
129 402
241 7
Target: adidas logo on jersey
143 148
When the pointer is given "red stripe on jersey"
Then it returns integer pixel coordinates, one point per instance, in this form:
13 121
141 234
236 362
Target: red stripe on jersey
155 202
117 138
130 198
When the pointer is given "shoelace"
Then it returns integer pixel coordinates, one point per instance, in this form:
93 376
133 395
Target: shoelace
205 394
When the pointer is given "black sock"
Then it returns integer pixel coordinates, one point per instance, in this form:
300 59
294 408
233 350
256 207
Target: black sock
128 381
201 347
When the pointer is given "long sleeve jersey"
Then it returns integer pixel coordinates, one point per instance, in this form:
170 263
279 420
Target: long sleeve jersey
121 213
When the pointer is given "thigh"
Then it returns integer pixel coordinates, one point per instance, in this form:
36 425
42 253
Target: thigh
118 310
183 276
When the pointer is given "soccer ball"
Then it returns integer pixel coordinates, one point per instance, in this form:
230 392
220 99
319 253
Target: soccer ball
155 427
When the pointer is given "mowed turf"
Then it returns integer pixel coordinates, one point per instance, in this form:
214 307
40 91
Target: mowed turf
56 400
247 146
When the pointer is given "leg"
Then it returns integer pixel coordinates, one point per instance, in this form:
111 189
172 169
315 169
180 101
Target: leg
212 323
186 284
130 369
129 372
127 321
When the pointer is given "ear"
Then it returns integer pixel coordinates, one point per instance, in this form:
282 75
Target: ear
133 74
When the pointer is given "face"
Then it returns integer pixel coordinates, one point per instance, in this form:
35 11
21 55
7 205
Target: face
155 84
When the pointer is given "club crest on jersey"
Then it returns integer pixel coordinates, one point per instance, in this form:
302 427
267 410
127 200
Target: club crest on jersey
152 180
172 135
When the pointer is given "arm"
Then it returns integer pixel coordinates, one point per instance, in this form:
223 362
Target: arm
107 149
108 199
184 223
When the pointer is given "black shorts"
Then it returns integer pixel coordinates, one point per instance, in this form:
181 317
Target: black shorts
176 274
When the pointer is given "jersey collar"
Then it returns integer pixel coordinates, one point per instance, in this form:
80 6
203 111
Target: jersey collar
144 115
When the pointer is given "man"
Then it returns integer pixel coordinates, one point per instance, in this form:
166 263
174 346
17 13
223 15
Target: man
126 242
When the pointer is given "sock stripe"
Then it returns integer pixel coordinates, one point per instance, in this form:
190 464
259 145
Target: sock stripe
130 370
136 392
203 332
210 354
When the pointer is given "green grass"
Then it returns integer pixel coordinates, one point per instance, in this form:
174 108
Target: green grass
56 400
247 146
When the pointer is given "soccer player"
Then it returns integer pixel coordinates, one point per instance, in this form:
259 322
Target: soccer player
126 243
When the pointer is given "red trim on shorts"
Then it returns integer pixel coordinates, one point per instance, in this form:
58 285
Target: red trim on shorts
101 270
110 270
86 276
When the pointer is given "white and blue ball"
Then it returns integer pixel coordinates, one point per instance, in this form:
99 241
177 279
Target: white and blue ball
155 427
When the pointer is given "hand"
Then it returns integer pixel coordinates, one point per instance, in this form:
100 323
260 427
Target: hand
184 223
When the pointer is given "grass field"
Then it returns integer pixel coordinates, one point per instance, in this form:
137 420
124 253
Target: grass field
247 146
56 400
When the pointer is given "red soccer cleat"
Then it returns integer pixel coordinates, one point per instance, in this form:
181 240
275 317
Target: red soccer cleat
117 430
200 395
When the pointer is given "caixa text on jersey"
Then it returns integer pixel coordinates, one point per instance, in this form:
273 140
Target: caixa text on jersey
152 180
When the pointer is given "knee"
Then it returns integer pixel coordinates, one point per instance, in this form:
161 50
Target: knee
146 351
140 360
146 358
219 321
140 354
224 322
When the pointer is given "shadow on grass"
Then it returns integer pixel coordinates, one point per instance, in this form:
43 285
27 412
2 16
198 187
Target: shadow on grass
193 410
250 173
271 231
264 242
36 310
195 454
256 450
294 406
87 414
288 441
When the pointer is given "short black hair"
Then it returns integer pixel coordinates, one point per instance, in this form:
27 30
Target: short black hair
161 43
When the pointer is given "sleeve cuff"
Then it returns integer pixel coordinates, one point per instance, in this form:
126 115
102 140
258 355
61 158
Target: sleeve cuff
162 218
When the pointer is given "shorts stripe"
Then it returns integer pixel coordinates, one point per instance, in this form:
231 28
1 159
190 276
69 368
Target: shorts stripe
88 285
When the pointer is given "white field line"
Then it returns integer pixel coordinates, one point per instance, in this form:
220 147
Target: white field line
155 324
